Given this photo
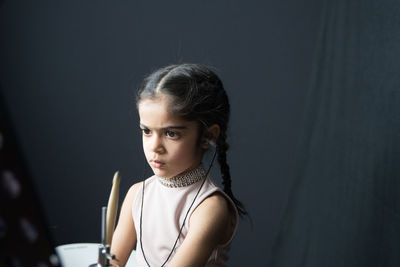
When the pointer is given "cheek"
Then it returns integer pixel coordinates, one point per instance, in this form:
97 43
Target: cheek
186 153
145 147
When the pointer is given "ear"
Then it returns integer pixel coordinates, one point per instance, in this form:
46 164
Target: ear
211 134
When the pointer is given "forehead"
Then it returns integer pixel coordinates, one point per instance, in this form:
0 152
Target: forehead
155 112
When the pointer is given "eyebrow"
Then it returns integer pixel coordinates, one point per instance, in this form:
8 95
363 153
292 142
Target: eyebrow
167 127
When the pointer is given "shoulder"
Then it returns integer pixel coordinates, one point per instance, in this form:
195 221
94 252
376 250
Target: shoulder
216 203
212 216
207 230
132 193
134 189
125 217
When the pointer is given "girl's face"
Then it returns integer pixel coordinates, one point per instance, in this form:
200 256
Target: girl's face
170 144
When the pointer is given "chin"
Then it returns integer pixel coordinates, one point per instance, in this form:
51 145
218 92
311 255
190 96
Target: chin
167 173
162 173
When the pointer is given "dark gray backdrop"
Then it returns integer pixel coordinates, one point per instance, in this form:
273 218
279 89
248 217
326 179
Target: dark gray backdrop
69 69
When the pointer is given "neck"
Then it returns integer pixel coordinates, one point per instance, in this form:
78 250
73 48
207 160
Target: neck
184 179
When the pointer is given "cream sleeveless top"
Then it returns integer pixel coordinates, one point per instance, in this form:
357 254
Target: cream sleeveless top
164 210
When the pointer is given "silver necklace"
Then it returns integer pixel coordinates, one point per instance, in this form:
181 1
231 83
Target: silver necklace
185 179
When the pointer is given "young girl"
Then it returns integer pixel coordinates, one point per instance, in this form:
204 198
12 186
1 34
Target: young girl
178 217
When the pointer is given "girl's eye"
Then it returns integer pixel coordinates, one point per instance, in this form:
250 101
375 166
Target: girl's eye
146 131
172 134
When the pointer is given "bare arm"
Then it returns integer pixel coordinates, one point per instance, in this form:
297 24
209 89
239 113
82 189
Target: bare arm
209 227
124 238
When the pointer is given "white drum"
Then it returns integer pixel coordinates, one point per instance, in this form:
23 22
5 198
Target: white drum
83 255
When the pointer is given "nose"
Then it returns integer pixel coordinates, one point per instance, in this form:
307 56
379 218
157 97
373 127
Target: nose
156 144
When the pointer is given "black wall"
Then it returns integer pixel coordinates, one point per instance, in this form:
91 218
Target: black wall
69 70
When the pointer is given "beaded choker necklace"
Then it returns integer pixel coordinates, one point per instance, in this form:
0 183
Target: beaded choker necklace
184 179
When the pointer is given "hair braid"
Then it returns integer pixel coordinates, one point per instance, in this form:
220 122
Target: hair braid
222 147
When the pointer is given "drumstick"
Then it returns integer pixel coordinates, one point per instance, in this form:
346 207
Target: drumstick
112 208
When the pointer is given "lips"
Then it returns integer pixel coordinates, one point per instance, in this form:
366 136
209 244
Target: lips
157 164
